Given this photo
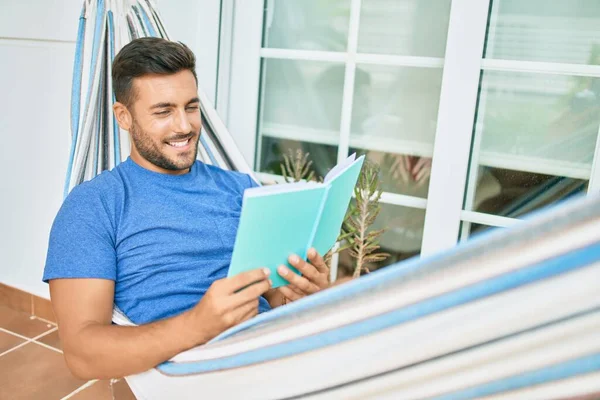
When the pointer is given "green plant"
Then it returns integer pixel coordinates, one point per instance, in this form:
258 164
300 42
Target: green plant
356 234
297 167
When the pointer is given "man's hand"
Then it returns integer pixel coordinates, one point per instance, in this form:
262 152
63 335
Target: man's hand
315 277
229 302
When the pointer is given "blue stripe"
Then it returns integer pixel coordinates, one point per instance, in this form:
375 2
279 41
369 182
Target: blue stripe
530 196
583 206
373 281
546 269
147 22
96 153
93 67
97 36
137 16
116 136
76 96
210 154
569 369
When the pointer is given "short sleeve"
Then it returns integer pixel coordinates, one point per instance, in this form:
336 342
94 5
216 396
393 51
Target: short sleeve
252 183
82 238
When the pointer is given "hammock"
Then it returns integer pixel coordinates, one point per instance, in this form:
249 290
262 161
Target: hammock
98 143
514 313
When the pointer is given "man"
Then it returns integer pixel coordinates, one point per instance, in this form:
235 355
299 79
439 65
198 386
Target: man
155 234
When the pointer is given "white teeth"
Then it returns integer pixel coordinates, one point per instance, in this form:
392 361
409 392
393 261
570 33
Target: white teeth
179 144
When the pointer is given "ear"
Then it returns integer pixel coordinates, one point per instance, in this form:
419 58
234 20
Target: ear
124 117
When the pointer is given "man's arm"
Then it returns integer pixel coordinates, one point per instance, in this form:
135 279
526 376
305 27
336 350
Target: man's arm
95 349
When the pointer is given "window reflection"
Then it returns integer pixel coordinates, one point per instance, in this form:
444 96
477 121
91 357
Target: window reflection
563 31
307 24
404 27
323 156
401 173
538 138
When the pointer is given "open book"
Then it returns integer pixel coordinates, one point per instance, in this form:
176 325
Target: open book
280 220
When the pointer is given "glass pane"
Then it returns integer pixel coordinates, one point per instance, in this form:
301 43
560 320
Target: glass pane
564 31
307 24
394 119
513 194
302 100
401 173
476 229
272 151
404 27
536 136
548 122
402 240
396 107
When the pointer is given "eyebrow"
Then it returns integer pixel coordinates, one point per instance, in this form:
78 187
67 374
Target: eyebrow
165 105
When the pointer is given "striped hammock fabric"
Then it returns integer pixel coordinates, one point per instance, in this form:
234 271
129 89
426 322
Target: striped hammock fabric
98 143
512 314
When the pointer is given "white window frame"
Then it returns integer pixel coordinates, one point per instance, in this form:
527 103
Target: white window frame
238 103
464 49
240 97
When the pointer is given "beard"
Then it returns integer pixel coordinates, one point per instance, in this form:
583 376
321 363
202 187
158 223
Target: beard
151 150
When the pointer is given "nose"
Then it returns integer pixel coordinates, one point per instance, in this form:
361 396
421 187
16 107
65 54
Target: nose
182 123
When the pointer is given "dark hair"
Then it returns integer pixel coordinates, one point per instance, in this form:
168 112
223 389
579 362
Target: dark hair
148 55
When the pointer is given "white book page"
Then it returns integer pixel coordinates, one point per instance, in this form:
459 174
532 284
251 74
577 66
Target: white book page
335 171
280 188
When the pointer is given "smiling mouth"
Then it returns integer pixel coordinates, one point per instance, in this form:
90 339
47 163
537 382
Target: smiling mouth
180 144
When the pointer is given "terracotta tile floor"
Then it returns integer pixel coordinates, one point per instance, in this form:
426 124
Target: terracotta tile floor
32 364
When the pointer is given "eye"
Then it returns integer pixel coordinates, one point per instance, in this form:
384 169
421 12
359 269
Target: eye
164 112
192 108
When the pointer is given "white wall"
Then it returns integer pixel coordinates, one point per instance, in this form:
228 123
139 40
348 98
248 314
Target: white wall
37 43
36 60
196 23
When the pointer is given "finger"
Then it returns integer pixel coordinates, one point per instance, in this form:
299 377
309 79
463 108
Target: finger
403 170
251 292
247 278
308 270
295 289
300 282
290 294
419 164
317 260
250 314
246 311
423 174
406 163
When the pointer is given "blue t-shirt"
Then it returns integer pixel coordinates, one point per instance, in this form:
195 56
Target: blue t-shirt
164 239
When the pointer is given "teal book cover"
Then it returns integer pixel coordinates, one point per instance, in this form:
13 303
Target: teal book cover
341 187
280 220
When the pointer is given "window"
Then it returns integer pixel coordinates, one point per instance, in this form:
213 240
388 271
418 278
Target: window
538 112
345 76
478 111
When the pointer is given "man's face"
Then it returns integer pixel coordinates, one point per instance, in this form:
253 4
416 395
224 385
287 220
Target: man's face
166 122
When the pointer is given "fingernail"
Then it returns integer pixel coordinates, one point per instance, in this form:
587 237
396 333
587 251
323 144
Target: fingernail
295 259
283 271
267 271
270 282
312 253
